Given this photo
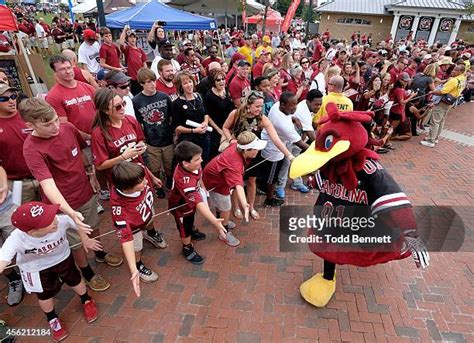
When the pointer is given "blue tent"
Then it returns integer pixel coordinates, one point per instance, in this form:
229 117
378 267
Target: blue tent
143 15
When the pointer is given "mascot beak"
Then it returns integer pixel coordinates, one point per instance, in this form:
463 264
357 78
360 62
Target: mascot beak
313 159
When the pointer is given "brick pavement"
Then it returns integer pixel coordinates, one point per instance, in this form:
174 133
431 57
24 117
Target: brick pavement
250 293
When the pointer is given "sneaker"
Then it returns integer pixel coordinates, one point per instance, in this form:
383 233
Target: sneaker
157 239
260 191
231 225
273 202
100 209
436 141
280 193
230 240
111 259
146 274
104 194
197 235
428 144
59 331
98 283
15 292
300 187
192 256
160 193
90 311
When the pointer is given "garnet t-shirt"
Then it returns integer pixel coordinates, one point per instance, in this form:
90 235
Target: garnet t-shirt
128 135
135 57
60 158
13 133
77 104
111 54
225 171
239 88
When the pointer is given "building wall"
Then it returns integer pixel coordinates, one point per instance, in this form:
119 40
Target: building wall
380 31
466 31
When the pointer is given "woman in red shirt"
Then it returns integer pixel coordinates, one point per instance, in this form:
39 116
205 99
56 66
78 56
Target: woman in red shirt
351 75
117 137
400 98
297 84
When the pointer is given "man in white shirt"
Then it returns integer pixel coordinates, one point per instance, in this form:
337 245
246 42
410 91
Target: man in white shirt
166 52
88 53
280 117
41 38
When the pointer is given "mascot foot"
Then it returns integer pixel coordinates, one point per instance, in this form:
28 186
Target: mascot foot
317 290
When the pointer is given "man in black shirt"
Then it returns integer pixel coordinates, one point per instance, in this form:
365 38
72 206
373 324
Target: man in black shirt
153 112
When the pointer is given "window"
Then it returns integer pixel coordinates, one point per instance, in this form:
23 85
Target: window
354 21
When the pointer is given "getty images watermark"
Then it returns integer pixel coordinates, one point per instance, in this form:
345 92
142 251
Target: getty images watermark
353 228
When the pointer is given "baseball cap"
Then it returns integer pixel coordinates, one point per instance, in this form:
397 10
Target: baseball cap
257 144
266 39
117 78
101 75
405 77
187 42
243 63
427 57
131 33
237 57
89 34
5 88
165 42
467 55
34 215
383 52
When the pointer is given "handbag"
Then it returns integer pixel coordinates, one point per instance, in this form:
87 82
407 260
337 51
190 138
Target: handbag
224 144
448 99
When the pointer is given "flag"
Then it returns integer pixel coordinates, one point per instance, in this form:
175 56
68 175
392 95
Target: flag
289 15
70 11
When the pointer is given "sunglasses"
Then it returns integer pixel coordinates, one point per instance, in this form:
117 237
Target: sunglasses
304 62
125 86
6 98
118 107
219 80
256 94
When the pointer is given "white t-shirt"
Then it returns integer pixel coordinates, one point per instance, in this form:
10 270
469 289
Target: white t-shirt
319 83
285 130
34 254
154 65
304 115
89 55
40 31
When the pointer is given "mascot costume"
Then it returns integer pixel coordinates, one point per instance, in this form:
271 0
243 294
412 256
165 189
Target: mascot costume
353 182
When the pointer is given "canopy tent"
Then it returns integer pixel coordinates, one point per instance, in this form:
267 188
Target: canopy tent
110 6
143 15
229 7
273 23
7 19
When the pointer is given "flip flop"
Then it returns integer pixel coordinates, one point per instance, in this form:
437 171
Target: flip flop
238 214
254 214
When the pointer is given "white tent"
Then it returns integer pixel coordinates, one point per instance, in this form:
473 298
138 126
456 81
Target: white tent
229 7
84 7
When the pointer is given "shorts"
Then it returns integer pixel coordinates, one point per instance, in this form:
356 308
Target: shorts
30 190
43 43
253 170
160 158
53 278
138 241
89 211
6 226
220 201
268 171
394 116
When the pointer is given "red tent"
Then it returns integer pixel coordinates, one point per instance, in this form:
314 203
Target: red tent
7 19
273 18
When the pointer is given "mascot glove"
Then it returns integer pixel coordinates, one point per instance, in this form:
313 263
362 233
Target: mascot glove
418 251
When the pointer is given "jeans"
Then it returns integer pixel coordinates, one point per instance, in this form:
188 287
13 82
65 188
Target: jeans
283 175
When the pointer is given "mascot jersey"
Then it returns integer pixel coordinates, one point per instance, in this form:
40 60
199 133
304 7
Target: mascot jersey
376 194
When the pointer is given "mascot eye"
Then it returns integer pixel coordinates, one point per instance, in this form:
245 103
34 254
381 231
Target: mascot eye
328 141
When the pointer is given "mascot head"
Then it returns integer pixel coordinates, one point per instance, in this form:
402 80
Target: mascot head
339 147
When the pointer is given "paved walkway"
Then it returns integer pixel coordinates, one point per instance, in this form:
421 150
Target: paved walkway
250 293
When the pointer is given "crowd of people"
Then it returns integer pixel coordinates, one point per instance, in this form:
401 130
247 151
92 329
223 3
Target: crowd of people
207 132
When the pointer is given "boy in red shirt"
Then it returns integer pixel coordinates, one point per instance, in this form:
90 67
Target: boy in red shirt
135 58
188 195
131 200
53 153
109 53
43 255
225 173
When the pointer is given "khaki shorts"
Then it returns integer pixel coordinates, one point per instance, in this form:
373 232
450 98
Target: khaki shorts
219 201
6 226
43 43
160 158
30 190
89 211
